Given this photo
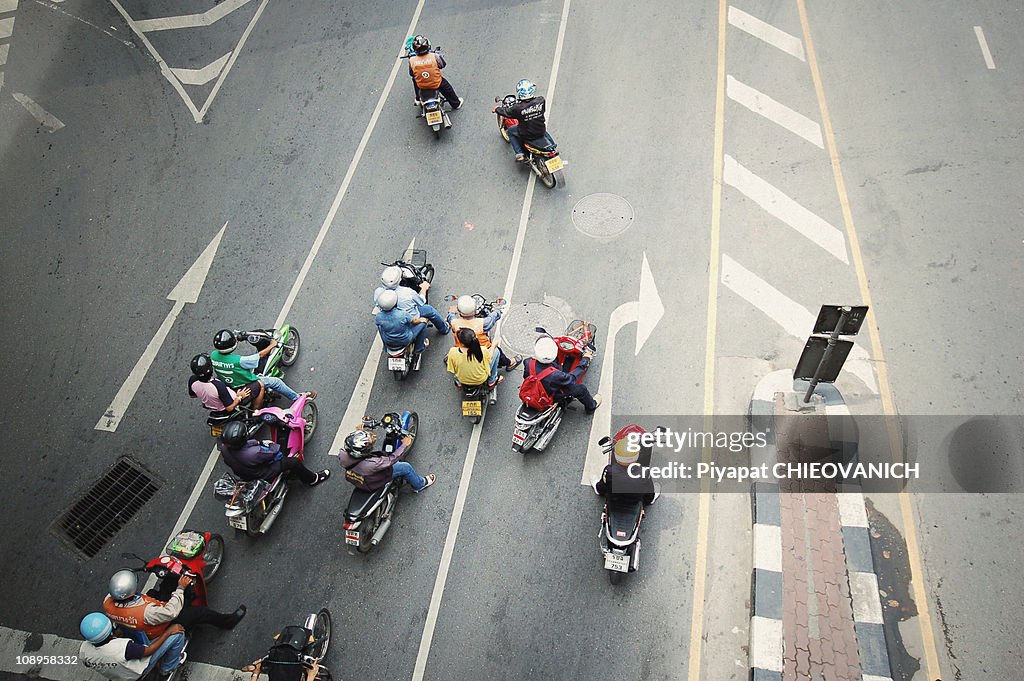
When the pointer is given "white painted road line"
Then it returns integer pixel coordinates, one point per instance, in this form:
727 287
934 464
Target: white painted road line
104 31
6 27
984 47
437 594
4 49
45 118
231 61
201 76
786 209
215 13
766 32
8 6
776 112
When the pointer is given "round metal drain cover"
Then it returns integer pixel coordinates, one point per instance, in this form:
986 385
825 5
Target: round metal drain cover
518 326
602 216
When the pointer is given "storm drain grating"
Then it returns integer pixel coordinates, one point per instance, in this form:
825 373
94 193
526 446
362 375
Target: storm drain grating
94 519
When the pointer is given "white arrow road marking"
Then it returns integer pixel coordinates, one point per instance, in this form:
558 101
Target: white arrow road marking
786 209
646 312
201 76
766 32
15 643
186 291
215 13
794 318
45 118
776 112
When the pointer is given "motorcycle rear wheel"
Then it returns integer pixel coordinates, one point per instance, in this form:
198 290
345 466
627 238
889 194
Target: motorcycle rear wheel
213 556
546 178
291 349
614 576
367 534
254 522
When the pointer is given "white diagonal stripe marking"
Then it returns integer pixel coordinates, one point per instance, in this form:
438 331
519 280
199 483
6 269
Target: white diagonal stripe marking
766 32
206 18
6 27
786 209
8 5
4 49
776 112
45 118
201 76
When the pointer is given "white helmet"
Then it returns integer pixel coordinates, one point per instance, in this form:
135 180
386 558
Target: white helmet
466 306
387 299
545 350
391 276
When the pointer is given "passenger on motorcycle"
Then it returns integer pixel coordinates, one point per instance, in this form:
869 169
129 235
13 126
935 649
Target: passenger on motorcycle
464 317
124 659
144 617
399 328
425 70
560 384
369 470
235 369
215 393
615 481
471 363
529 111
410 301
252 459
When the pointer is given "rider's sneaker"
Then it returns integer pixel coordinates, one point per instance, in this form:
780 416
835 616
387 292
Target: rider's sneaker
597 403
416 102
320 477
459 105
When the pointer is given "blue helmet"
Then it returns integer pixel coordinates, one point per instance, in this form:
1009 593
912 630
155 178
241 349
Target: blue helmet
525 89
96 627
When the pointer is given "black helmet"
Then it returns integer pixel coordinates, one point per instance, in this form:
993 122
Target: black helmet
420 45
202 367
235 434
225 340
359 443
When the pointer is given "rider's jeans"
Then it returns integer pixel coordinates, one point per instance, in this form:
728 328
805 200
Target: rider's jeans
404 469
429 312
279 386
168 655
517 143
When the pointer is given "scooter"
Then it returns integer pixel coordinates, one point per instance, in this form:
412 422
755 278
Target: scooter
431 102
298 651
415 271
253 506
196 554
475 398
534 428
544 161
369 514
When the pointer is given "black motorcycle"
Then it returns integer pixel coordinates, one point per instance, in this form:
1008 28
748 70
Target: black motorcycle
475 398
298 652
415 271
368 514
545 161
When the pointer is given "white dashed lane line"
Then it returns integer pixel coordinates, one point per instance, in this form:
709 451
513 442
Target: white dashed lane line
984 47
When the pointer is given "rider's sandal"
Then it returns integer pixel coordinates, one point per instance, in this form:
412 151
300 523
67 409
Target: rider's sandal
311 394
501 379
516 361
430 480
320 477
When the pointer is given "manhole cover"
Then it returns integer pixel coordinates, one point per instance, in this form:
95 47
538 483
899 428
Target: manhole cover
602 216
518 326
95 518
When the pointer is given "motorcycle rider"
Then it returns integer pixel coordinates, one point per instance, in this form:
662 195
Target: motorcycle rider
410 301
471 363
251 459
235 369
369 470
559 384
425 70
124 659
215 393
399 328
615 481
144 617
529 111
463 316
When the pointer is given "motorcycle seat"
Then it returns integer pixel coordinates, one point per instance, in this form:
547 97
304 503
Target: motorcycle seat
537 148
527 413
361 500
623 516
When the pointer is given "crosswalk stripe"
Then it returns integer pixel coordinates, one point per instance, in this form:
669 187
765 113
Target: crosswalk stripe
8 5
776 112
6 27
786 209
766 32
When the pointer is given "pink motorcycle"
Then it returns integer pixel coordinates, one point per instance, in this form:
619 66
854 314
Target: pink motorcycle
253 506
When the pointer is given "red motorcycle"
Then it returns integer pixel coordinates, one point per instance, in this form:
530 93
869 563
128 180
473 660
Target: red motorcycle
544 161
534 428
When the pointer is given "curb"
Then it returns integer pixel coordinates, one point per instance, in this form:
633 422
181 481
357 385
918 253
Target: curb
766 628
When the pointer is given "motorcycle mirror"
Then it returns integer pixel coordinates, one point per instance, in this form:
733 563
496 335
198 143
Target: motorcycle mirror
497 99
604 441
541 329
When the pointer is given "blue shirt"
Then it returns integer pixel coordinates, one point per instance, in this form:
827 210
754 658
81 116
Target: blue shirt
396 327
408 300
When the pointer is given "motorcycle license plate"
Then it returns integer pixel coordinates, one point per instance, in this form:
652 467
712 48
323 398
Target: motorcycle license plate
352 537
554 164
433 117
616 562
238 522
472 408
396 363
518 436
215 431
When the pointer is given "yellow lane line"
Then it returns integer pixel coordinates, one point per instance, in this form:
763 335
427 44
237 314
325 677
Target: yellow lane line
704 503
881 368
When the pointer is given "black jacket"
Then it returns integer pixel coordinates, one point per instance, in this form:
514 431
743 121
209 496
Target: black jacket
530 114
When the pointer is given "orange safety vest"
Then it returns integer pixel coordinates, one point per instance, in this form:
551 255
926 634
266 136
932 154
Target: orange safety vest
474 323
133 616
426 71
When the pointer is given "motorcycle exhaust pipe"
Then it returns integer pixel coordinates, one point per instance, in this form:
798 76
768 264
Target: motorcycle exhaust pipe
381 531
274 512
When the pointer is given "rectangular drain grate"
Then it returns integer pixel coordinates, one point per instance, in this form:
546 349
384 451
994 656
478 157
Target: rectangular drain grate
94 519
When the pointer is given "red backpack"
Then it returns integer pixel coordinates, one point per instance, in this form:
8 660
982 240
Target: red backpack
532 391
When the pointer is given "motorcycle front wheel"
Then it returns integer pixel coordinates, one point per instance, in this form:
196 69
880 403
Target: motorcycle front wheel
321 634
309 412
213 556
290 353
501 129
412 429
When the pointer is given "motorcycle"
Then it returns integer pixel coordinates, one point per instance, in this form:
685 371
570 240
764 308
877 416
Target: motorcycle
544 161
431 102
297 652
369 514
253 506
415 271
534 428
475 398
196 554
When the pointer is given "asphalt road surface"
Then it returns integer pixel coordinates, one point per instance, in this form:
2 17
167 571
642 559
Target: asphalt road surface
285 122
